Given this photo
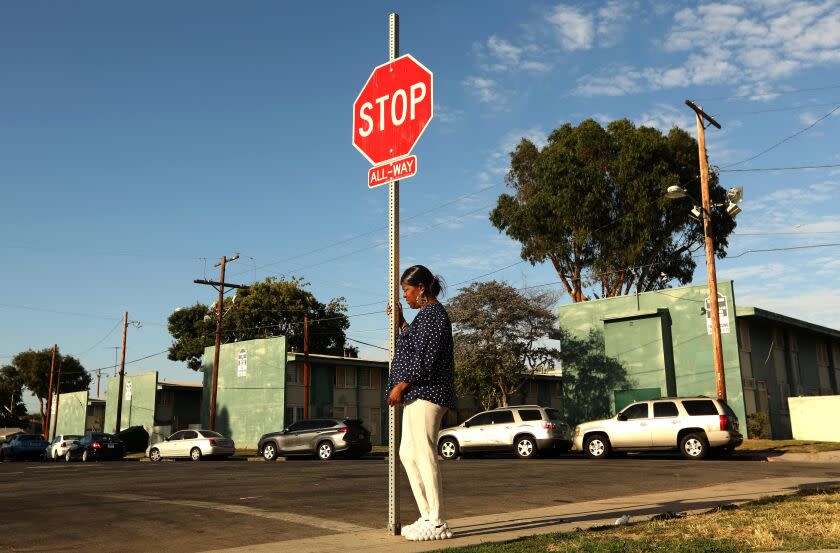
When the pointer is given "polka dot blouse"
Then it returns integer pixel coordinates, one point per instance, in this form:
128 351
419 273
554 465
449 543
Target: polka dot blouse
424 357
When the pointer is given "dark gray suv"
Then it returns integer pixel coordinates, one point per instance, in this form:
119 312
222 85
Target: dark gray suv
321 437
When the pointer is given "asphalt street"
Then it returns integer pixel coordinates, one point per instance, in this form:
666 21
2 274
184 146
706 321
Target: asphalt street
184 506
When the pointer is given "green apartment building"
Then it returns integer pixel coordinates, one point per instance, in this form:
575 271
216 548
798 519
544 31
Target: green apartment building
663 339
260 389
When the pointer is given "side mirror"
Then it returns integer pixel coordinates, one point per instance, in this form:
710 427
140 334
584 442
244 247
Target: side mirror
466 425
621 417
166 439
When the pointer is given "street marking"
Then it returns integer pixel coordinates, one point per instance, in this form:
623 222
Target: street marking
335 525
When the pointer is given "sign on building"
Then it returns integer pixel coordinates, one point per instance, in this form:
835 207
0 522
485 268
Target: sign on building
128 391
242 363
723 314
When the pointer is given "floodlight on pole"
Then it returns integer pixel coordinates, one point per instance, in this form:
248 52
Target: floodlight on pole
675 192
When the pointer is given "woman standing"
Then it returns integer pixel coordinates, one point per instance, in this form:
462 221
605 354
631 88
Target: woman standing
423 378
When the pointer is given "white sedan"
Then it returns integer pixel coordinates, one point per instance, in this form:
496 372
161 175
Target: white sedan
59 446
193 444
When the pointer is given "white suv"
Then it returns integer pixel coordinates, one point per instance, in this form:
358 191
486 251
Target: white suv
524 429
693 425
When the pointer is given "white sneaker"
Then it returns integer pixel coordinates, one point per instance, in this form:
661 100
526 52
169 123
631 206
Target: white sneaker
428 531
406 530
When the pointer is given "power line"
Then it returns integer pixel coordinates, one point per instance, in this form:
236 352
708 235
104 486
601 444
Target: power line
765 94
782 141
372 231
79 356
791 168
367 344
783 249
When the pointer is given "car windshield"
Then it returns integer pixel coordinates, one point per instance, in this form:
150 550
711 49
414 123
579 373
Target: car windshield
28 437
210 434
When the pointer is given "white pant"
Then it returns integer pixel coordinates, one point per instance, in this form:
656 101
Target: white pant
418 451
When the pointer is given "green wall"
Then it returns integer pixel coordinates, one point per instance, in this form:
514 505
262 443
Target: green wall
668 328
139 410
252 404
72 413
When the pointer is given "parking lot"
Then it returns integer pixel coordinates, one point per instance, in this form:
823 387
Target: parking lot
185 506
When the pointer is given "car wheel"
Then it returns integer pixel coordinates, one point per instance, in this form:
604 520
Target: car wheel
67 457
526 447
325 451
269 452
596 446
154 455
448 449
85 457
195 454
694 446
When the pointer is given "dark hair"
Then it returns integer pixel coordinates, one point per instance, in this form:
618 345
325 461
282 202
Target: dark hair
418 274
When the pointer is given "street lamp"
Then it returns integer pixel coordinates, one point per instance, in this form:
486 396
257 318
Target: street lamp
702 212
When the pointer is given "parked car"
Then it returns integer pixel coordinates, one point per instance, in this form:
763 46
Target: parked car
321 437
96 446
58 447
693 425
526 430
194 444
23 447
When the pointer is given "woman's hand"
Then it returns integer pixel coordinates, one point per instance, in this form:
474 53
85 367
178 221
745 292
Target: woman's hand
399 313
395 397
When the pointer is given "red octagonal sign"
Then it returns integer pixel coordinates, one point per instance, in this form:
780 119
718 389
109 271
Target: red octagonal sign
392 110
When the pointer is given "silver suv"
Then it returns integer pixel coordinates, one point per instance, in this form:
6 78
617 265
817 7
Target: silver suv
322 437
693 425
524 429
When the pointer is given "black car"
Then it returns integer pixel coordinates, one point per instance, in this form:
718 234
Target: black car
24 446
96 446
321 437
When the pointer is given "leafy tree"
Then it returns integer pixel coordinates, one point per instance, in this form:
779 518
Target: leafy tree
275 307
589 377
11 390
592 203
34 370
499 340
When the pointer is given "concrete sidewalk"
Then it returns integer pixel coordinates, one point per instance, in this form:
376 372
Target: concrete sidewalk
562 518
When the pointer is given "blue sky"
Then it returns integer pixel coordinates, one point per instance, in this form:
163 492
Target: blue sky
140 142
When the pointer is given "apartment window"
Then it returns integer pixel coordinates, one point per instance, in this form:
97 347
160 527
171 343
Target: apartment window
374 420
345 411
345 377
744 335
364 377
294 413
294 375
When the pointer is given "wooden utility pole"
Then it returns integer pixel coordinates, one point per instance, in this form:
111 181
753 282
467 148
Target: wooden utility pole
45 430
717 347
122 376
306 368
220 286
57 400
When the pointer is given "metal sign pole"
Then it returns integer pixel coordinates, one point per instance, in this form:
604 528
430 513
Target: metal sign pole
393 298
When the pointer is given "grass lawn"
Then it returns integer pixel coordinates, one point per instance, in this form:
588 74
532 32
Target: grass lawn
807 520
788 446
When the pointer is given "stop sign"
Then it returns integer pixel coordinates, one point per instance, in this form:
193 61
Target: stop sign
392 110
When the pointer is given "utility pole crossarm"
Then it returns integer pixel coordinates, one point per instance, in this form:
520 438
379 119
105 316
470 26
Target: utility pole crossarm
699 111
217 284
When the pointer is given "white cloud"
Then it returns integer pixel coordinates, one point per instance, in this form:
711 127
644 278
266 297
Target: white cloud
819 305
750 46
499 55
486 90
574 29
666 116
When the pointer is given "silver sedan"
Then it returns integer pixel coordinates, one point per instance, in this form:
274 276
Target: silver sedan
192 444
